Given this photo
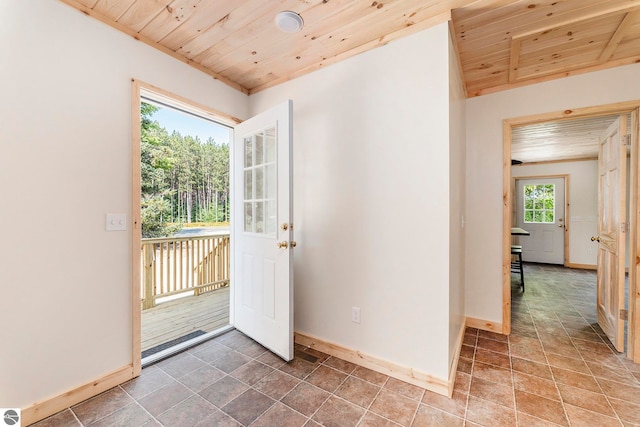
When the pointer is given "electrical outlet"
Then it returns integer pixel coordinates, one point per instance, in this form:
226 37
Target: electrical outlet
355 314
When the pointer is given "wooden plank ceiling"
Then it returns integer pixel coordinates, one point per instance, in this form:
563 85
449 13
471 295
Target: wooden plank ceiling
501 43
561 140
504 44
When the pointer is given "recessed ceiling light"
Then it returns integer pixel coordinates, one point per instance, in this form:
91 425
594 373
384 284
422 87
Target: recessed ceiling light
289 22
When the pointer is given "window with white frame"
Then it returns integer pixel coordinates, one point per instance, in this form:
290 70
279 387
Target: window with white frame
539 203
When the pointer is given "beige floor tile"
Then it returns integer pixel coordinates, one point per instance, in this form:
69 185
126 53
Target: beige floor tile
492 373
555 368
374 420
540 370
583 418
340 365
305 398
104 404
408 390
493 345
457 405
489 357
575 379
596 402
395 407
326 378
358 391
277 384
247 407
280 415
541 407
535 385
627 411
487 413
428 416
501 394
370 376
336 412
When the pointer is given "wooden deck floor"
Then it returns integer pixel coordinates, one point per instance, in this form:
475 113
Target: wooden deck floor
177 318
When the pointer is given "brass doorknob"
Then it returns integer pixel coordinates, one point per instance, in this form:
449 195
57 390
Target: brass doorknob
595 238
293 244
283 244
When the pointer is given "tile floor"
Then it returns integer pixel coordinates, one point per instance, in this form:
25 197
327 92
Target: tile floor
555 369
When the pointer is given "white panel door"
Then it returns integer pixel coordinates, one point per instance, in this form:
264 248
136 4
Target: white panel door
612 162
262 282
540 211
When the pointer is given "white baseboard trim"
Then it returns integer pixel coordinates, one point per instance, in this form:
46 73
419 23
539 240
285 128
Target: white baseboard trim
40 410
485 325
403 373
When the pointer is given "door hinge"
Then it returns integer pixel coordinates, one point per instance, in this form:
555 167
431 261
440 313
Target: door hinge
624 314
624 227
626 139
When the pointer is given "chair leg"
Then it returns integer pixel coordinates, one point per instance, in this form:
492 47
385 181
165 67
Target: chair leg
521 271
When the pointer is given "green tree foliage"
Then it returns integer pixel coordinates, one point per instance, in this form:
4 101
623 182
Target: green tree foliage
184 180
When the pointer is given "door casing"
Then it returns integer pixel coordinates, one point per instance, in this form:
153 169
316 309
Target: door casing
633 107
138 88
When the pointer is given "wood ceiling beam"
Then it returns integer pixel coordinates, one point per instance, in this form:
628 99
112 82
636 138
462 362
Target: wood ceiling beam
479 91
614 42
617 37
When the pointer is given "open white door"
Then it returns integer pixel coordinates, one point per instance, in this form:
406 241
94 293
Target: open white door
262 240
612 162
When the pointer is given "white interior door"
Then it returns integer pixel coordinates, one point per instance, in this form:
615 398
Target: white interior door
540 210
262 282
612 162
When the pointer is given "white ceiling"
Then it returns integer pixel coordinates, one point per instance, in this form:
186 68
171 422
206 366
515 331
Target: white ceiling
559 140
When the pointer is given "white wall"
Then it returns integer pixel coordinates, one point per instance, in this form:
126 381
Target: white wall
484 166
457 177
65 161
371 178
583 202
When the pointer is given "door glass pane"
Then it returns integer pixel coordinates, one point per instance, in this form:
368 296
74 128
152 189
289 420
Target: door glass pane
260 186
259 149
539 203
248 152
270 135
248 217
270 192
248 184
259 182
259 217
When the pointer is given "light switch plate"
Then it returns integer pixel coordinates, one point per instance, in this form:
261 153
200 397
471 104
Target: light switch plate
116 222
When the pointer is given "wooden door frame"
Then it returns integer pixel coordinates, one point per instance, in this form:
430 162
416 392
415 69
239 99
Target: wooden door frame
138 88
633 107
565 235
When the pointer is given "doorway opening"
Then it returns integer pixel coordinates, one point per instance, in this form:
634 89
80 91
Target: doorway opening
181 217
574 221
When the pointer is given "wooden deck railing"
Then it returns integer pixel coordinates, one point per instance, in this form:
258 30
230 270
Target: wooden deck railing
174 265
